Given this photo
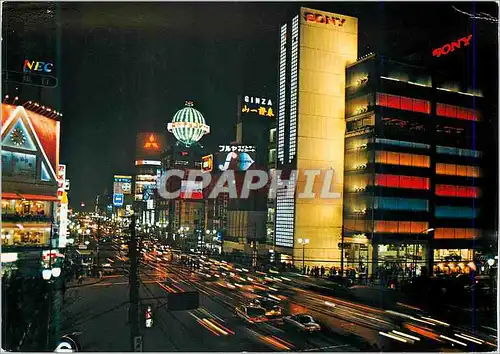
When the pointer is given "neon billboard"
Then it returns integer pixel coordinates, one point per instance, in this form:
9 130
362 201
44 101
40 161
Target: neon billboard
450 47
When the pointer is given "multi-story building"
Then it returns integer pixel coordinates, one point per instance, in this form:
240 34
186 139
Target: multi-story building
30 161
412 169
149 147
315 47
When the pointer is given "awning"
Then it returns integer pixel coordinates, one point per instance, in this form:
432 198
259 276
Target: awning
10 195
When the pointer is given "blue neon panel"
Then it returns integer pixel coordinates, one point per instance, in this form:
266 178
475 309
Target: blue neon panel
456 212
460 152
402 143
386 203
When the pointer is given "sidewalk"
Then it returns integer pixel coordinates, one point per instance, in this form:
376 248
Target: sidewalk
86 281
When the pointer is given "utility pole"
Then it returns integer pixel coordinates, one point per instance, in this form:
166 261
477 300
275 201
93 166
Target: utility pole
98 239
135 337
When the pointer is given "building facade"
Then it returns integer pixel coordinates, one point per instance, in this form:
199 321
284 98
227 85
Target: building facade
149 147
30 164
315 47
412 169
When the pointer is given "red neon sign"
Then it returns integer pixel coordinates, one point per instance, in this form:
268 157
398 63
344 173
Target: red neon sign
450 47
319 18
151 144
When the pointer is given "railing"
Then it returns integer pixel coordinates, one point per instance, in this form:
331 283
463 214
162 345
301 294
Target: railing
25 218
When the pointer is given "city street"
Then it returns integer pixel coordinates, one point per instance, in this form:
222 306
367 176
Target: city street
100 314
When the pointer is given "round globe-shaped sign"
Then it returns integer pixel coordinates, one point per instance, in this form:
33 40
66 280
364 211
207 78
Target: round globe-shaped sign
188 125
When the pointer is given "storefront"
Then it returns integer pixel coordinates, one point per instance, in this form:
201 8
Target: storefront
407 259
25 234
454 261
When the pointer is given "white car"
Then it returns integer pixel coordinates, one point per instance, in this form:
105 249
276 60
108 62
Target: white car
303 322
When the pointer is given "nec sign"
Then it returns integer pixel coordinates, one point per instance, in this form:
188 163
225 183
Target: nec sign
31 65
450 47
327 20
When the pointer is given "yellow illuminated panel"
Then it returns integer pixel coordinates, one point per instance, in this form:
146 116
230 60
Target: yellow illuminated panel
325 50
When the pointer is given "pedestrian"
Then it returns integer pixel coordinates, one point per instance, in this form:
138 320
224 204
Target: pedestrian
322 271
308 270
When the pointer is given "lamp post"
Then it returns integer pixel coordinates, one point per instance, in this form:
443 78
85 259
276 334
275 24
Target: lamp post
303 242
424 232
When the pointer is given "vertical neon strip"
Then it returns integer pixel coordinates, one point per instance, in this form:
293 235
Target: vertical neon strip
285 215
282 95
293 90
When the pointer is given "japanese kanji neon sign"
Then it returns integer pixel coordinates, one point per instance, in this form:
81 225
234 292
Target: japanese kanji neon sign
261 106
236 148
450 47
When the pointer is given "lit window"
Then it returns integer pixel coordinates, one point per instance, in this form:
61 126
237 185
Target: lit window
450 111
403 103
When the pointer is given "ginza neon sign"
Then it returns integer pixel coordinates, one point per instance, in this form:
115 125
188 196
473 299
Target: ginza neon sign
319 18
450 47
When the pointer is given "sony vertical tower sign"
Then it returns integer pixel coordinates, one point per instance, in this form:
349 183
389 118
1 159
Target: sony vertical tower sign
315 47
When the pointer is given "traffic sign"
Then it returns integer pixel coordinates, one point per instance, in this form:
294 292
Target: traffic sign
27 78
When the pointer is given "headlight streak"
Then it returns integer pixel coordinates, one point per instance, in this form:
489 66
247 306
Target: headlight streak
389 335
439 322
452 340
469 339
406 335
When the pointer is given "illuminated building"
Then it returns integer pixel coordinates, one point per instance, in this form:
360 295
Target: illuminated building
30 161
149 146
246 218
412 167
184 217
315 47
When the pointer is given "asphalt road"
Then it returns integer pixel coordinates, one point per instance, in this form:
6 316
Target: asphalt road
99 313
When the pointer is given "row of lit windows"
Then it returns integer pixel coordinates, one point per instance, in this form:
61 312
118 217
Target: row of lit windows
457 170
456 233
401 227
282 95
402 159
453 212
447 110
285 212
404 103
293 89
458 152
405 204
446 190
402 143
396 181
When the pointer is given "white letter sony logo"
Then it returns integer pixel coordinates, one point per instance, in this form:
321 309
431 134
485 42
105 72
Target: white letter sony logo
258 100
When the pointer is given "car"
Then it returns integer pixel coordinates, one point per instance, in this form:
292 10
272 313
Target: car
272 307
303 322
346 282
251 313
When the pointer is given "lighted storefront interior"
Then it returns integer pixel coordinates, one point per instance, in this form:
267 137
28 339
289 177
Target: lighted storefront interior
28 235
453 261
18 207
406 257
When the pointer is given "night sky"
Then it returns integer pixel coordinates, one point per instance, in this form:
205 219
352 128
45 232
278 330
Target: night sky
128 67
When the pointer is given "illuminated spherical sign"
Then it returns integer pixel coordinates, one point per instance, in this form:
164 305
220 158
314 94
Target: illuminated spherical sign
188 125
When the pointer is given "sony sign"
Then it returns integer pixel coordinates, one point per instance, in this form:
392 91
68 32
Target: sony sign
258 100
324 19
450 47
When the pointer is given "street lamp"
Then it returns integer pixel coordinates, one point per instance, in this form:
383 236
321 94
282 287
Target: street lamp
303 242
